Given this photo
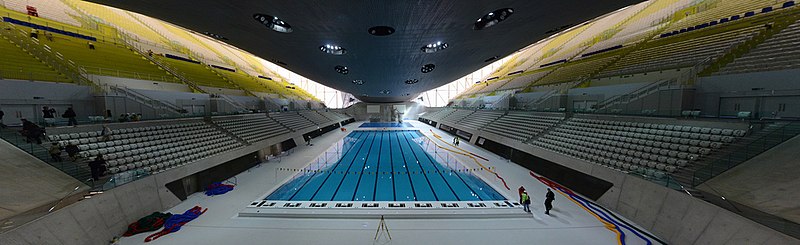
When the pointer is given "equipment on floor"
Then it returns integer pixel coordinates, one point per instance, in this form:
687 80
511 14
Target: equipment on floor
175 222
151 222
218 188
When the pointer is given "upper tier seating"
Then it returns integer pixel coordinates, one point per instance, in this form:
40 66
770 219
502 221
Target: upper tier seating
521 125
198 73
53 10
151 148
671 53
651 148
293 120
252 128
106 59
523 81
23 66
575 71
776 53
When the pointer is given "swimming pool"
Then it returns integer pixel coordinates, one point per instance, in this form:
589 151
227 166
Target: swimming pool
385 125
384 166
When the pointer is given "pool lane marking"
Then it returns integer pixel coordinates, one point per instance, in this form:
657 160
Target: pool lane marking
408 173
406 135
361 173
377 169
416 158
328 176
592 209
468 154
346 172
337 162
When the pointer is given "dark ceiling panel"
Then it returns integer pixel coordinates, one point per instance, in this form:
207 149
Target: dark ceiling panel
384 63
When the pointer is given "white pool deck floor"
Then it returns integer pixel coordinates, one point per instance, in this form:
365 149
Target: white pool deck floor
568 222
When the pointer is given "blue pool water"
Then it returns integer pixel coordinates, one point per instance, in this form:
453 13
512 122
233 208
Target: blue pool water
384 166
385 125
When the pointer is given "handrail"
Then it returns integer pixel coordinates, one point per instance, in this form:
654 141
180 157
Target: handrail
92 71
760 145
646 90
144 99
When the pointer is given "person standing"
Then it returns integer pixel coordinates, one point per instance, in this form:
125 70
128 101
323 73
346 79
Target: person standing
521 190
49 115
97 166
70 114
55 152
308 140
548 201
526 202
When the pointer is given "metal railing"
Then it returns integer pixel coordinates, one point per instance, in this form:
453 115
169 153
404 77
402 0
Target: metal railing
746 152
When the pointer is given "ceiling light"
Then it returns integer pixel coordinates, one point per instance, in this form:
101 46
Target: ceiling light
358 82
341 70
492 18
428 68
215 36
381 30
434 47
333 49
385 91
411 81
273 23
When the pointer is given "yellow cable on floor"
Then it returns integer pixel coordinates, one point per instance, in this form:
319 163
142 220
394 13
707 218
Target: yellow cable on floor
468 154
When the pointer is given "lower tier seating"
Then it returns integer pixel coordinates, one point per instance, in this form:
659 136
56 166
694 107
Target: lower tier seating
252 128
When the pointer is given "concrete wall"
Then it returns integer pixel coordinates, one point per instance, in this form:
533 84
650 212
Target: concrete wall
761 93
671 215
24 99
140 84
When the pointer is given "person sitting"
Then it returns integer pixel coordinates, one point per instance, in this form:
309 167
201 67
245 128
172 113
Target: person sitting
97 167
105 135
31 131
72 151
55 152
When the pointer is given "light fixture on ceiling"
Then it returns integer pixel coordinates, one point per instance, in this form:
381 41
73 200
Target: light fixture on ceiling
333 49
381 30
358 82
427 68
434 47
492 18
411 81
341 69
385 91
273 23
215 36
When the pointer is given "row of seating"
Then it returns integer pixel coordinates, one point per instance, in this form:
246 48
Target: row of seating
316 118
292 120
457 116
776 53
679 54
481 119
522 125
252 128
150 148
651 148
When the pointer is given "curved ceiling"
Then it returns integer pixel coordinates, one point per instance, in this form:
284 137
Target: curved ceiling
383 63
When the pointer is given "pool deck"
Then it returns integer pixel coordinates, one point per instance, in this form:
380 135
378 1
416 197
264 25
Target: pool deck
569 223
